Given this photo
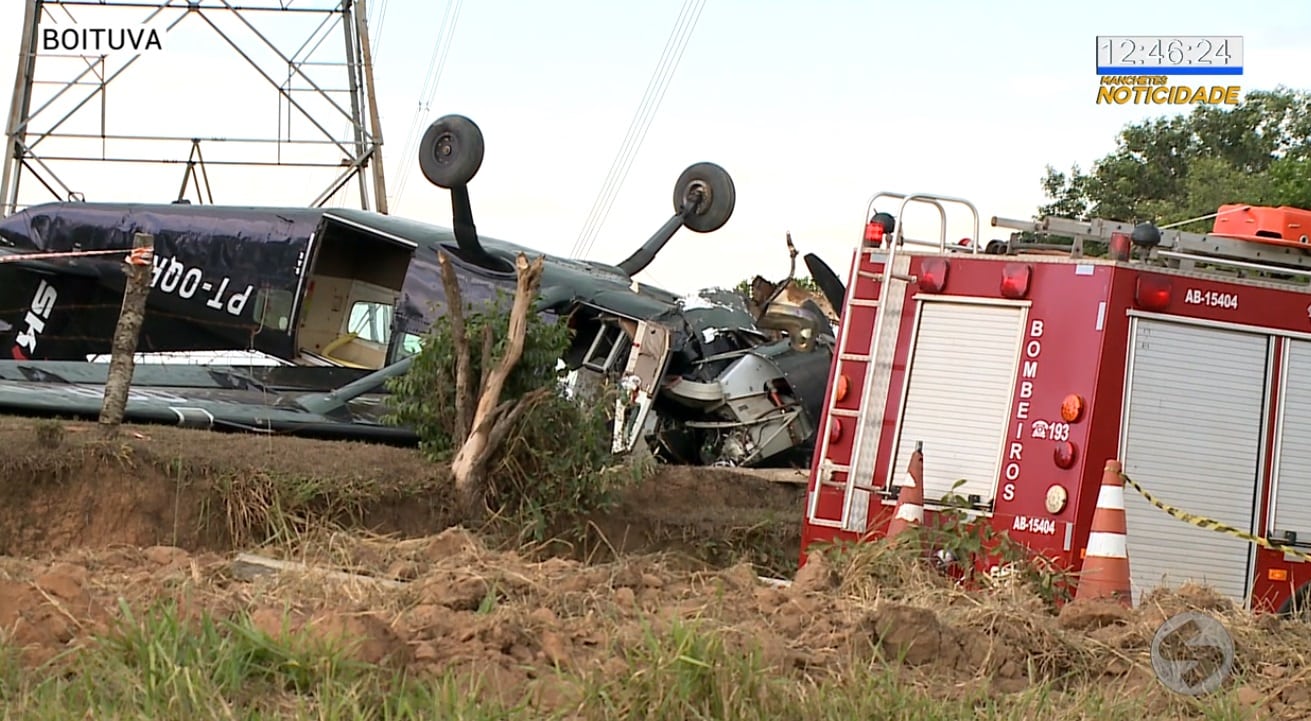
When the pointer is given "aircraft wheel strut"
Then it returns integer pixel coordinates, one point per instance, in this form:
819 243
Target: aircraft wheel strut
451 151
715 196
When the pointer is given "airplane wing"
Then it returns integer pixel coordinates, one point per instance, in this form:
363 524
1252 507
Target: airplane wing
265 400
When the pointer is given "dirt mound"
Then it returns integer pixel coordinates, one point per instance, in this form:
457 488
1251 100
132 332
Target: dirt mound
718 516
62 488
446 604
102 541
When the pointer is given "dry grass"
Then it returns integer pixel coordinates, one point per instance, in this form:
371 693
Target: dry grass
874 637
111 628
214 491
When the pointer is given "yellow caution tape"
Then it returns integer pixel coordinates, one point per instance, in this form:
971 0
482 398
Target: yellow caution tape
1211 524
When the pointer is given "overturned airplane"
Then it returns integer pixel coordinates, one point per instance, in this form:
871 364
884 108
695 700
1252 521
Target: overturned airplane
709 381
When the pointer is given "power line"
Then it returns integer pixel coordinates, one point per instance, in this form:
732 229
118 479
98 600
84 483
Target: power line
436 65
379 23
656 88
611 175
646 126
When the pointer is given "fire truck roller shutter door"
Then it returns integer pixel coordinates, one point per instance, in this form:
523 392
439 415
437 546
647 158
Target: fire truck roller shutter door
958 396
1192 437
1291 508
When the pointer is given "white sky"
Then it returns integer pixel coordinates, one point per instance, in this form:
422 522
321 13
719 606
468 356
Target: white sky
811 110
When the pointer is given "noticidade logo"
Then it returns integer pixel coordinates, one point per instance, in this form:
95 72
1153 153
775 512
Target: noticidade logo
1157 90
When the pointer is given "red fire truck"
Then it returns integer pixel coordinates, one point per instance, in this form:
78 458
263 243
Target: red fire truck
1023 369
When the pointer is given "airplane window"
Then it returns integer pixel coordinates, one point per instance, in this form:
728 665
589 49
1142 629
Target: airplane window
371 321
412 343
273 308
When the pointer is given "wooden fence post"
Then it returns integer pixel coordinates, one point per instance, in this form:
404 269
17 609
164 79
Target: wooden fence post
126 335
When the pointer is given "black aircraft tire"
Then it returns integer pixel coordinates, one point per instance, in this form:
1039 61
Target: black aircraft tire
451 151
720 196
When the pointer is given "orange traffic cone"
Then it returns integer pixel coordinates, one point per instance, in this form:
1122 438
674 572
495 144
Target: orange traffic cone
1105 573
910 501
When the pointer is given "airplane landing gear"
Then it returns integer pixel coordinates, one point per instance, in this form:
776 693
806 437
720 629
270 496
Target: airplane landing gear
711 189
451 151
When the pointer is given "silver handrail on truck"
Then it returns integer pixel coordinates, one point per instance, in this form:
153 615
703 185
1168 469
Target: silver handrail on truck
936 201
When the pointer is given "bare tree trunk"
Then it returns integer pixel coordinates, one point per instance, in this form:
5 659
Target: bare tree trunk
127 334
455 310
491 418
489 340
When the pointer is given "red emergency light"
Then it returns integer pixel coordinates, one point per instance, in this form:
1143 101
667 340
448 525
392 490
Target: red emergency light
933 274
1119 246
874 233
1065 454
1015 280
1152 293
834 430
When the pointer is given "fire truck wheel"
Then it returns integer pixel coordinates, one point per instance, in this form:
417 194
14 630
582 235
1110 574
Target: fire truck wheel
451 151
718 196
1298 605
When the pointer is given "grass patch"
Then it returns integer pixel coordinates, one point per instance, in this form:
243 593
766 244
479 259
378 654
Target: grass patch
160 666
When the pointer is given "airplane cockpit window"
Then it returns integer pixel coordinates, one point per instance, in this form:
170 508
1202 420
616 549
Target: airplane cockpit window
411 344
371 322
273 308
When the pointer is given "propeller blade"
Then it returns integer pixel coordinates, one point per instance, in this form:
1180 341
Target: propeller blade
834 290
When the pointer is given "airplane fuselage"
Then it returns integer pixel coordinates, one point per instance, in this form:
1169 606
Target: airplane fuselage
213 267
323 286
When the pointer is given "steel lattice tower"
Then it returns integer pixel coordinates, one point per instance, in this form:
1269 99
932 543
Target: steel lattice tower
310 57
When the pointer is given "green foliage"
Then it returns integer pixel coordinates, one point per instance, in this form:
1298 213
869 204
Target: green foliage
971 535
1176 168
424 398
555 463
557 466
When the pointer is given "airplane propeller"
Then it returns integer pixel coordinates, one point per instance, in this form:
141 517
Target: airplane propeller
835 291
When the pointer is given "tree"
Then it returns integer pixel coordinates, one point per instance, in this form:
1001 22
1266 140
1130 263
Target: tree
1172 169
484 395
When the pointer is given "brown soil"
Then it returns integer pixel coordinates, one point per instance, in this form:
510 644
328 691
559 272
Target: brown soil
447 603
87 529
709 515
61 488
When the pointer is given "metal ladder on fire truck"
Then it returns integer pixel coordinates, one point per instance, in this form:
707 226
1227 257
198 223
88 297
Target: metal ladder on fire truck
1176 248
883 314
